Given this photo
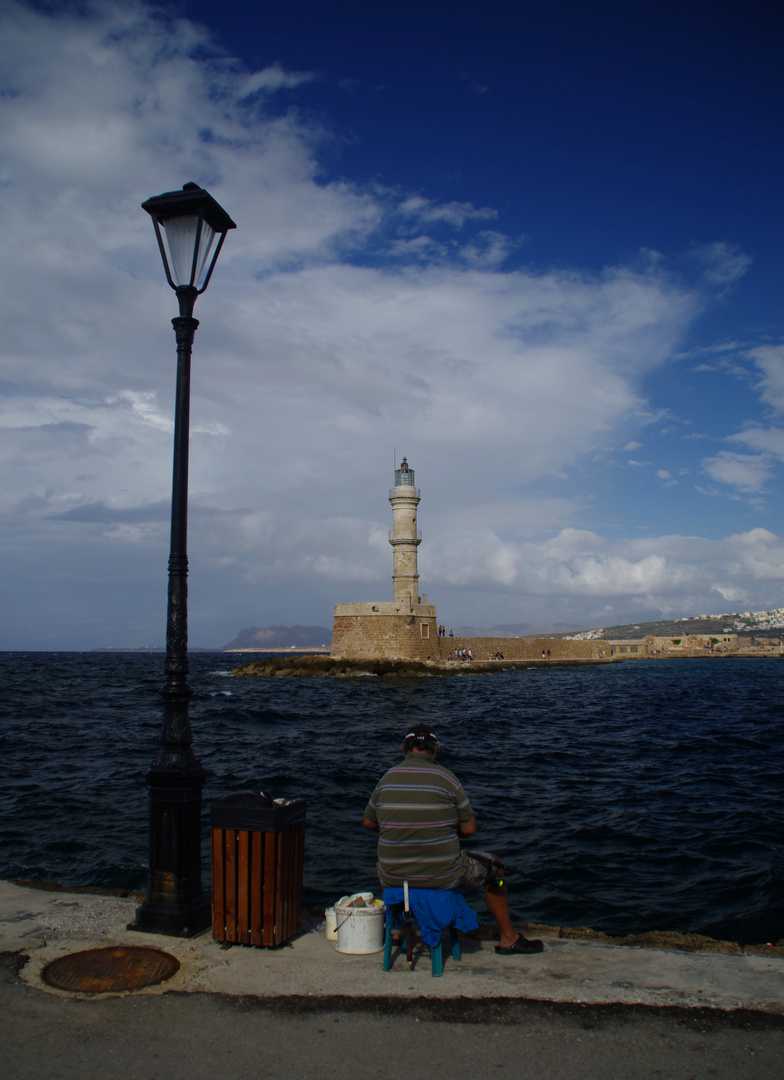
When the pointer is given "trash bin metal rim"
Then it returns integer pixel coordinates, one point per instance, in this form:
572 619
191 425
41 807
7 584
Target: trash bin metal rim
253 813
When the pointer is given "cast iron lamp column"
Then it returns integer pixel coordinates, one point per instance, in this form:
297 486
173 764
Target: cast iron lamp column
189 222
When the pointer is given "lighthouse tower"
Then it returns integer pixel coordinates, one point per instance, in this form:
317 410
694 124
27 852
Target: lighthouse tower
404 538
404 627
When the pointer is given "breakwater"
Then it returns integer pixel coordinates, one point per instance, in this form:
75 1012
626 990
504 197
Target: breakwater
339 668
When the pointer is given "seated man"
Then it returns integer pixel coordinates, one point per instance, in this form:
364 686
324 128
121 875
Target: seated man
420 811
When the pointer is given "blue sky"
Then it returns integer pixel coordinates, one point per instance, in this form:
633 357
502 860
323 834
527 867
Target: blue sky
535 248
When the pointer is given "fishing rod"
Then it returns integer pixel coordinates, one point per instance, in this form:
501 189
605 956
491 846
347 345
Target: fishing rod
498 880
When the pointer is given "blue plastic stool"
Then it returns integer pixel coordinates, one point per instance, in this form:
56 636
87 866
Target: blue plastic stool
436 951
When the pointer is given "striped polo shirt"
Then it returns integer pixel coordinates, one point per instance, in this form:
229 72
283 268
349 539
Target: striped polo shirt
418 805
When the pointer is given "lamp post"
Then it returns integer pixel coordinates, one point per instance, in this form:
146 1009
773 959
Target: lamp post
190 227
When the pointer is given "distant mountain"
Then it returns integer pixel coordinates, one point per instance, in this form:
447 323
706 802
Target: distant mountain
281 637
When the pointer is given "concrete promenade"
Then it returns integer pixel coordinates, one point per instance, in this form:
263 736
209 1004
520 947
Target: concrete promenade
579 1009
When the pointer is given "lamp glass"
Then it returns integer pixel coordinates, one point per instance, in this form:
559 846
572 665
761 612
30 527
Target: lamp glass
181 237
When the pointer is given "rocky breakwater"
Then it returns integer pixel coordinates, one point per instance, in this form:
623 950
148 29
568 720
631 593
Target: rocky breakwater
310 666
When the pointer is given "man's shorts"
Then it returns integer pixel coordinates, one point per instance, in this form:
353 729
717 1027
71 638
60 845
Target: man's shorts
475 872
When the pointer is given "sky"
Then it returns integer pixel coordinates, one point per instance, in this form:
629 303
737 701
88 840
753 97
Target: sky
536 248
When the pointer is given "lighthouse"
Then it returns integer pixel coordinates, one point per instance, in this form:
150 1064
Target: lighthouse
404 537
404 627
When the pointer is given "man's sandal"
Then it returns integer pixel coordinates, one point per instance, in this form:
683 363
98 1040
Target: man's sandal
521 946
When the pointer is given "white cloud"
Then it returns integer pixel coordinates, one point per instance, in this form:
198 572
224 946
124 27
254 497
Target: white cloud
418 247
452 213
765 440
770 361
666 477
659 574
654 574
488 250
271 79
723 264
747 472
309 366
712 349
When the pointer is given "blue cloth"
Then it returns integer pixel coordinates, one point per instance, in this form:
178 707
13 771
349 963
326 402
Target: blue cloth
434 909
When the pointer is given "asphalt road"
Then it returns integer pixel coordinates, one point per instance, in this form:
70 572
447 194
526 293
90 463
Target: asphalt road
179 1036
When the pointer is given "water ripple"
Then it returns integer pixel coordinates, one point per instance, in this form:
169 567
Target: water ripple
654 787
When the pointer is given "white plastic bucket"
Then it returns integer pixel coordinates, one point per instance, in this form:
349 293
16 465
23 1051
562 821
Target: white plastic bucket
330 920
360 929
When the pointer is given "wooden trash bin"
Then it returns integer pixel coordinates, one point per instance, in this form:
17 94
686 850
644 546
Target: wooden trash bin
257 858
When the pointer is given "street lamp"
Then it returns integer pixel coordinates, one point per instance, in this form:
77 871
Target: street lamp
190 226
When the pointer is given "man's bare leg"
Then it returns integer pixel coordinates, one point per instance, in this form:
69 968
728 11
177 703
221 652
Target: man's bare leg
497 900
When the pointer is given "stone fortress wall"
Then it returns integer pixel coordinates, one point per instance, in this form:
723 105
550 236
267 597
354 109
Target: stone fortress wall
383 631
366 631
486 648
363 632
688 645
696 645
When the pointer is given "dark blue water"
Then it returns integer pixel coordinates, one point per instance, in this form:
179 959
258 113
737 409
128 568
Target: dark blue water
655 786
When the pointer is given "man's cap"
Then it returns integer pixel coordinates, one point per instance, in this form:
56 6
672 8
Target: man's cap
421 732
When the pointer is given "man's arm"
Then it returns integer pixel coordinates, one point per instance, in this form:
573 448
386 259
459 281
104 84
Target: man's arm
465 828
368 824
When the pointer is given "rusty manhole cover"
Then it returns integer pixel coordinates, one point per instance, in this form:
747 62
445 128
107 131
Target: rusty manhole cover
99 971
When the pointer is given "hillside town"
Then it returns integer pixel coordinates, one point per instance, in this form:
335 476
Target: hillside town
739 622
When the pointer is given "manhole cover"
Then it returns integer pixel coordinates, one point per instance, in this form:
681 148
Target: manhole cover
99 971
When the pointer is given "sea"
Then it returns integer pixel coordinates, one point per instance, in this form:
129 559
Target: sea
630 797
